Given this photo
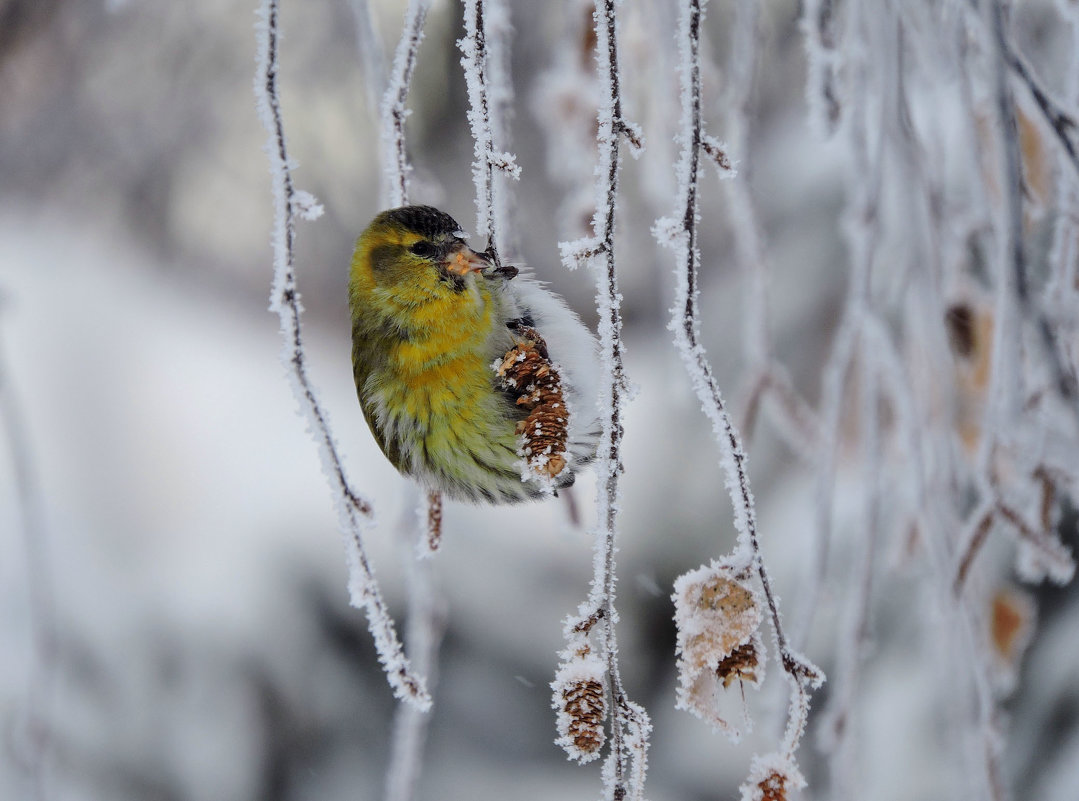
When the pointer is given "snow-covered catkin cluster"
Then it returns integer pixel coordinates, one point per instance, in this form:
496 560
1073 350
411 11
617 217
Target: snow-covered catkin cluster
718 616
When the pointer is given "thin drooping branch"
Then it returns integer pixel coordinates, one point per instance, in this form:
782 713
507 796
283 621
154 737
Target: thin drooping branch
680 233
354 511
39 579
625 768
394 110
1011 280
475 59
396 166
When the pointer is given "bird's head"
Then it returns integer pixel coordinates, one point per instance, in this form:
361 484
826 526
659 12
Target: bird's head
414 254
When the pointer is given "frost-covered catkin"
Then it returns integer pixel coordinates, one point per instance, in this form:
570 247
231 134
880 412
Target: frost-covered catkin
579 698
718 616
528 375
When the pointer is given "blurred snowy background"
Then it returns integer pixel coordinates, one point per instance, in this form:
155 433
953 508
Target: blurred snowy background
175 621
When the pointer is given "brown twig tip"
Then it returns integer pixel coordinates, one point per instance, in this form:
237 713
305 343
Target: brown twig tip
434 521
526 372
716 151
631 132
585 625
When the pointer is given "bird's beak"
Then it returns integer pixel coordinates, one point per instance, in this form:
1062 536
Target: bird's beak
465 260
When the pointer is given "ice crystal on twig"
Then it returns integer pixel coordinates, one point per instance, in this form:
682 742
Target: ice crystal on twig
432 524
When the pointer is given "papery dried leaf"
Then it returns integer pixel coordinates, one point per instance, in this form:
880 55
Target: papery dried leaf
718 616
1011 625
716 613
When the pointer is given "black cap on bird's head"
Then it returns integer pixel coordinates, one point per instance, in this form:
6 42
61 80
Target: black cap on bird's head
427 221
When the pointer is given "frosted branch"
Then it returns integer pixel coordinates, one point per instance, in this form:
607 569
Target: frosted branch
625 768
1054 558
476 62
837 731
354 512
680 233
394 110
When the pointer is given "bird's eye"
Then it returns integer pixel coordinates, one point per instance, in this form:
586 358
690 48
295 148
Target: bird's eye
424 249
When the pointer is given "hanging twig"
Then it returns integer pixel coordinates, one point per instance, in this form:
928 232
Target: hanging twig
394 110
625 769
354 511
474 59
680 233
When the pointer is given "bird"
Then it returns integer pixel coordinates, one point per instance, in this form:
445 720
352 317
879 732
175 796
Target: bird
475 379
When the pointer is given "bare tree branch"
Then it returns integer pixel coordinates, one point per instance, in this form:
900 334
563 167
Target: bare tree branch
354 511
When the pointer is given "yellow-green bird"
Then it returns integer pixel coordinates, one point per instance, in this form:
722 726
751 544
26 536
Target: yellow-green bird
466 370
